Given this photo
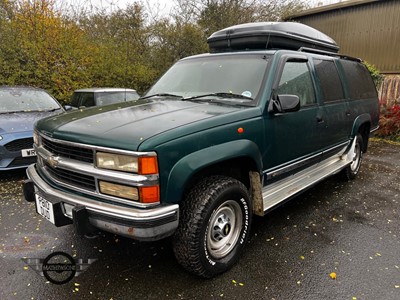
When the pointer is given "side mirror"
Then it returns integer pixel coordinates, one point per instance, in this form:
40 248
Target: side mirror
284 103
67 107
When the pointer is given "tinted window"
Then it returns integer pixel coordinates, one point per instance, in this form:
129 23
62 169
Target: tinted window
87 99
359 79
75 99
331 86
296 80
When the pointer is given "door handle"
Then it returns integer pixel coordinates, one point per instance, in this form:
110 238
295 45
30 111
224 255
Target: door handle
320 120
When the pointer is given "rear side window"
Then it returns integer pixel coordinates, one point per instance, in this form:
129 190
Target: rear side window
359 80
331 86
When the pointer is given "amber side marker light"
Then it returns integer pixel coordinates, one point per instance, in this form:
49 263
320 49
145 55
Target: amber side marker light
148 165
240 130
149 194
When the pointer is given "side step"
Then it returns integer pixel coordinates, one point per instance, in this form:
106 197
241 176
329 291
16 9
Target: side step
286 188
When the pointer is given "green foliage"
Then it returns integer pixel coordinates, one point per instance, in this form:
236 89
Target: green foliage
62 51
375 74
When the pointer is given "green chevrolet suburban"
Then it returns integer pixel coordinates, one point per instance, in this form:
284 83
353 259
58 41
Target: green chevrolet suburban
269 112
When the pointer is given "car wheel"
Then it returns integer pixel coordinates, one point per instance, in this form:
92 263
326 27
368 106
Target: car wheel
214 226
351 171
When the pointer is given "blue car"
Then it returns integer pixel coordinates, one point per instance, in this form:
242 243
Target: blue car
20 108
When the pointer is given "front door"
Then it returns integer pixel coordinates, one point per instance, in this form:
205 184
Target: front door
292 138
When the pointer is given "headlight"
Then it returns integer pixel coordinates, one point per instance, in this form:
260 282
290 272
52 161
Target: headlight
1 137
118 162
144 165
119 190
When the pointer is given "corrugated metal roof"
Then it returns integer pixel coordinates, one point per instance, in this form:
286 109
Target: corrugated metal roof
370 31
326 8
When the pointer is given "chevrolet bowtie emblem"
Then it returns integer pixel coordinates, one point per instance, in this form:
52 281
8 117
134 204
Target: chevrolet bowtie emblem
53 161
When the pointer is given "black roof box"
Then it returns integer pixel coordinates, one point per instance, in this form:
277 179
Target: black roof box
270 35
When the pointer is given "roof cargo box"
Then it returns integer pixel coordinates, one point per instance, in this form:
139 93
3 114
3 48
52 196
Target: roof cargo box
270 35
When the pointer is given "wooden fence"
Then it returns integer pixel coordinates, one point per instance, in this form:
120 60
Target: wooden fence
389 91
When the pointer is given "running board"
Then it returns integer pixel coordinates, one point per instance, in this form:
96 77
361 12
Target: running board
286 188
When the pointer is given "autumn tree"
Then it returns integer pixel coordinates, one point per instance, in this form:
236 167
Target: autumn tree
213 15
173 41
46 50
61 50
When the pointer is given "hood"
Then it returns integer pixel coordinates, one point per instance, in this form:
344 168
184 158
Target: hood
21 121
127 125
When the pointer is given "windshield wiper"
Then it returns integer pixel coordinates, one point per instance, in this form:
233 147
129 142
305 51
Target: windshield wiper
161 95
14 111
51 109
220 95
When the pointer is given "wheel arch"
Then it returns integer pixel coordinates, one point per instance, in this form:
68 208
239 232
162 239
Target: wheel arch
362 125
234 159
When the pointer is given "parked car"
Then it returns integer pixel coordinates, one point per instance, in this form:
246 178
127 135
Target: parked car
220 137
20 108
101 96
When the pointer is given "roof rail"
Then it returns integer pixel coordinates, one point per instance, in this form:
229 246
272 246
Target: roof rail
317 51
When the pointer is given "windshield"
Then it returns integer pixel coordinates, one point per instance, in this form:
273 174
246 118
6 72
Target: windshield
25 100
236 74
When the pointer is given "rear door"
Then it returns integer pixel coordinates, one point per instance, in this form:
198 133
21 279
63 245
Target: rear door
334 118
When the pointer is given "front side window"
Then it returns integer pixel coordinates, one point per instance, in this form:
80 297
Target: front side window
236 74
296 80
331 86
87 99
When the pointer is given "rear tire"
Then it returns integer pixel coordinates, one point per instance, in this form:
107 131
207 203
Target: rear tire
351 171
214 226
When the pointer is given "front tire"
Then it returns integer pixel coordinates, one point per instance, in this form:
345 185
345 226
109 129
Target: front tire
214 226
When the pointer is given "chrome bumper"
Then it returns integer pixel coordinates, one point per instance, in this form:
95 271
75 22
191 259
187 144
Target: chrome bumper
141 224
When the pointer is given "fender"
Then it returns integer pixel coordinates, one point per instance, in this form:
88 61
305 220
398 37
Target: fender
187 166
358 122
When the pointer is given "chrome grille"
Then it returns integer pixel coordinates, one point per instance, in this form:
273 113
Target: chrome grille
72 178
18 145
73 152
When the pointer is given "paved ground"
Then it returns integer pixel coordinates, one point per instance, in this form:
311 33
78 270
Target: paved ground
351 229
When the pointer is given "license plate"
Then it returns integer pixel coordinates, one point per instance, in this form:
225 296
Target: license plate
44 208
28 152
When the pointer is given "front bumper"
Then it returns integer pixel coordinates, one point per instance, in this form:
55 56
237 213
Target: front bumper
86 213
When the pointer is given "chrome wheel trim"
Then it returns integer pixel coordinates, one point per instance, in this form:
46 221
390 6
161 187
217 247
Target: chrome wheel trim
355 165
224 229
